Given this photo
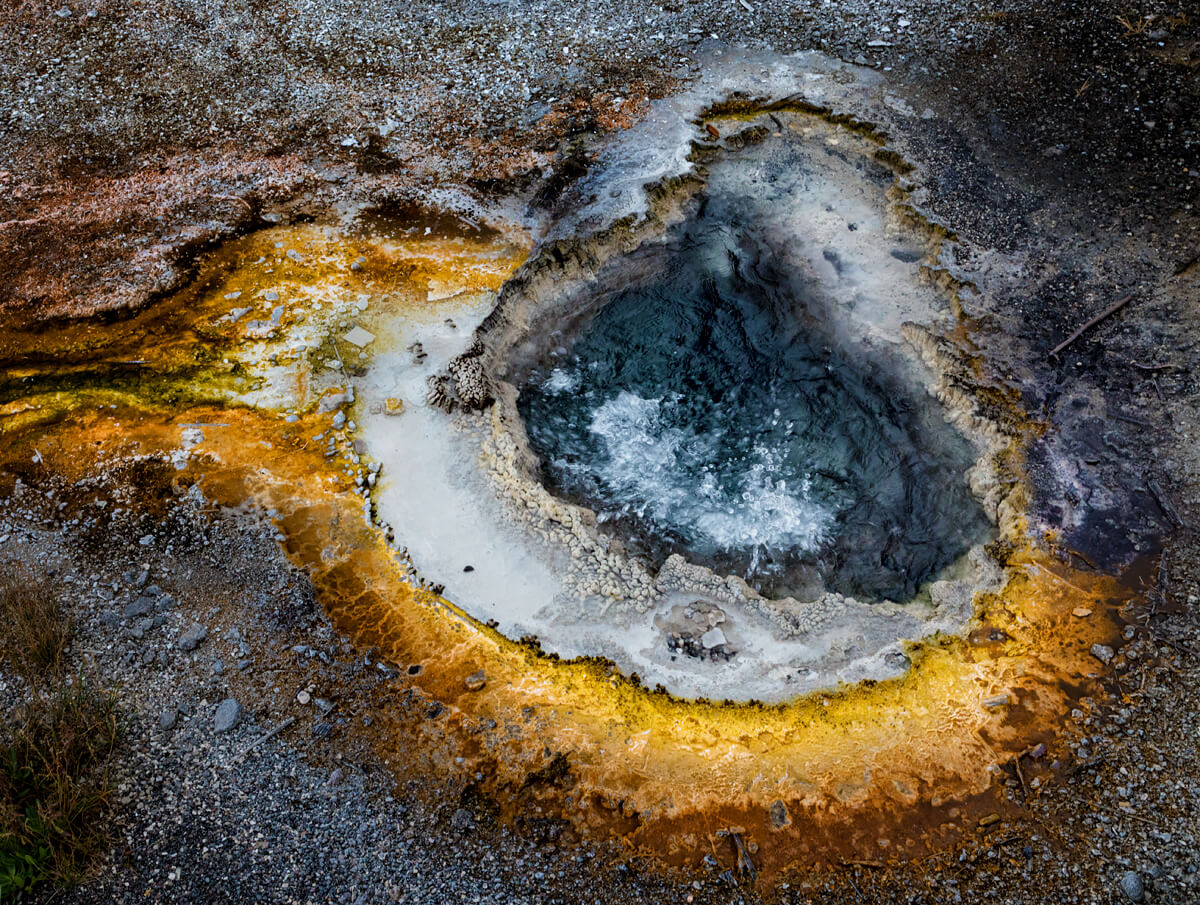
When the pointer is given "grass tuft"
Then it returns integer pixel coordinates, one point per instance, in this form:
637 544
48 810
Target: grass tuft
56 745
1132 27
36 630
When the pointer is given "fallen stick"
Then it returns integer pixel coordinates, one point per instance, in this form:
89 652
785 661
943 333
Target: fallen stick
270 735
745 867
1186 266
1181 646
342 364
236 200
1107 312
1140 422
1160 590
1164 503
1021 777
1121 812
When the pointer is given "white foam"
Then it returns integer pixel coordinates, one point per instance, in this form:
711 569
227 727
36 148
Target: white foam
561 381
651 468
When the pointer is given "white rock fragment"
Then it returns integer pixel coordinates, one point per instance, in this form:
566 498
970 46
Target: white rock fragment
714 637
359 337
331 401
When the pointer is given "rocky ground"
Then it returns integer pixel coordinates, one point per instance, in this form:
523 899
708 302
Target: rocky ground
133 133
127 128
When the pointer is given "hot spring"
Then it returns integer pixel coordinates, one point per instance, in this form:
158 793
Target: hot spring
701 406
706 444
702 498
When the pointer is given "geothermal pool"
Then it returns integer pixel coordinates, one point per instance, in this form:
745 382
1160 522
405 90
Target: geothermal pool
711 456
701 406
729 446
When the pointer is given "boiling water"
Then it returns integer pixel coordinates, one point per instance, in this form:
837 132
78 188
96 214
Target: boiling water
699 404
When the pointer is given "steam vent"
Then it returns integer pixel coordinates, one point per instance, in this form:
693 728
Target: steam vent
571 454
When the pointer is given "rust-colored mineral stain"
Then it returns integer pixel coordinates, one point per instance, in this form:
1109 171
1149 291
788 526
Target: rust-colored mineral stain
874 771
296 267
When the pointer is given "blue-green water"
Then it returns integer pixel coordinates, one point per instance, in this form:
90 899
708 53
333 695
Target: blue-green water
699 407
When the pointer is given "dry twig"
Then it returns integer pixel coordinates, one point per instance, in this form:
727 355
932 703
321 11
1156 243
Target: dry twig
1107 312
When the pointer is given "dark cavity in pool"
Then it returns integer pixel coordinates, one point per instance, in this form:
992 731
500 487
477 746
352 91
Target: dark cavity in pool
696 402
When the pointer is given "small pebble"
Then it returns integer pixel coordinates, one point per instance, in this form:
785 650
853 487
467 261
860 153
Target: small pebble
1132 886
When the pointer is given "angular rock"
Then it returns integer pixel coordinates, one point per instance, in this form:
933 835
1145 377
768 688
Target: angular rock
140 607
229 714
779 815
191 639
359 337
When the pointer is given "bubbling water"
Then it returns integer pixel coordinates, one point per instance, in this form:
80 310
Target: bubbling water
674 475
699 405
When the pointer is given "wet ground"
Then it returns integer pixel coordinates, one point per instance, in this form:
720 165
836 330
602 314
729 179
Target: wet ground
1059 144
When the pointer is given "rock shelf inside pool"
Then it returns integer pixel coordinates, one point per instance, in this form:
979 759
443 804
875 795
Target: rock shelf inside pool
707 446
